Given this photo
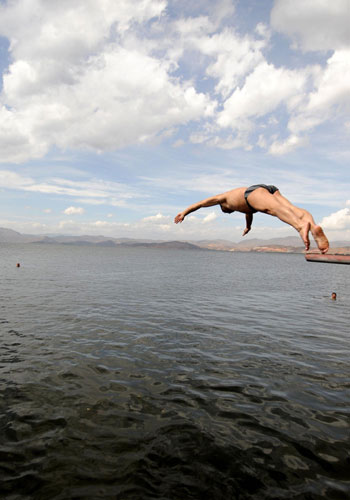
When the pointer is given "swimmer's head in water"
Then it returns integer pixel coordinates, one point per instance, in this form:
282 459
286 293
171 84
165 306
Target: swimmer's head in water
334 296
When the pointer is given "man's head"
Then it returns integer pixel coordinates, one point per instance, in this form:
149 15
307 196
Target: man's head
334 296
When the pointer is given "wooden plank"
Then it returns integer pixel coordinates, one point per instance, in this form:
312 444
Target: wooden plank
328 258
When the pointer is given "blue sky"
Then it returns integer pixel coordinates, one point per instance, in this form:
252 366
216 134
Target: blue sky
115 116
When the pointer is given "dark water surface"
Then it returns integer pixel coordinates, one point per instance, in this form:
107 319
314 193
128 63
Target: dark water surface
159 374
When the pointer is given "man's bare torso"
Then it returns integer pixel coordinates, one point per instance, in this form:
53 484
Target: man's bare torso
234 200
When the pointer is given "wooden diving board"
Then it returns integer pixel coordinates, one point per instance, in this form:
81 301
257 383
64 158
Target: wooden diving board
329 258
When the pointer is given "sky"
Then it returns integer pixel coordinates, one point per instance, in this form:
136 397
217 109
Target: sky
115 116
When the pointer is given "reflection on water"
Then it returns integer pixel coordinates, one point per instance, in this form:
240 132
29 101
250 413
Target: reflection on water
159 374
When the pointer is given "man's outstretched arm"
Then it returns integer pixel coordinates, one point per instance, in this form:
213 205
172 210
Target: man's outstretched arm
208 202
249 221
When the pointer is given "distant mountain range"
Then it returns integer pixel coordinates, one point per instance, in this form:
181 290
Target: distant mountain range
289 244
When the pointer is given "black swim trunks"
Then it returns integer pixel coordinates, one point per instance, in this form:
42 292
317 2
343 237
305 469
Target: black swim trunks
271 189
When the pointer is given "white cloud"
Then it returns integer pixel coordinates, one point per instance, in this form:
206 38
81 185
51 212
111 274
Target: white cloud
17 142
210 217
70 30
337 220
92 191
69 224
290 144
102 223
71 84
331 97
74 211
134 99
106 75
313 24
264 90
138 229
156 219
241 140
12 180
234 57
92 227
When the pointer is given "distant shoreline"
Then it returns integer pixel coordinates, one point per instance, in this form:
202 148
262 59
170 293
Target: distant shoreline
289 244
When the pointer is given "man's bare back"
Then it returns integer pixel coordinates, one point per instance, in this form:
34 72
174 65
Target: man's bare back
234 201
266 199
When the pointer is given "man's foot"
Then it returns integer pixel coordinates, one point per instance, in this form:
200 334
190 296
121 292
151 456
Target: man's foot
320 238
304 233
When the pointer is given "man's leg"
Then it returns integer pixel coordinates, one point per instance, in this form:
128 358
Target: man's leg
316 231
279 206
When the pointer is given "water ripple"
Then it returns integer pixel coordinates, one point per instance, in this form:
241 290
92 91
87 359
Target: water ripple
172 375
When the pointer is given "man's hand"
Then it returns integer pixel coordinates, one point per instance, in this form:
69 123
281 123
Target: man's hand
179 218
248 223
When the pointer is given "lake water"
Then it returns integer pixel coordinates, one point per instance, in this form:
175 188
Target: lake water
131 373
